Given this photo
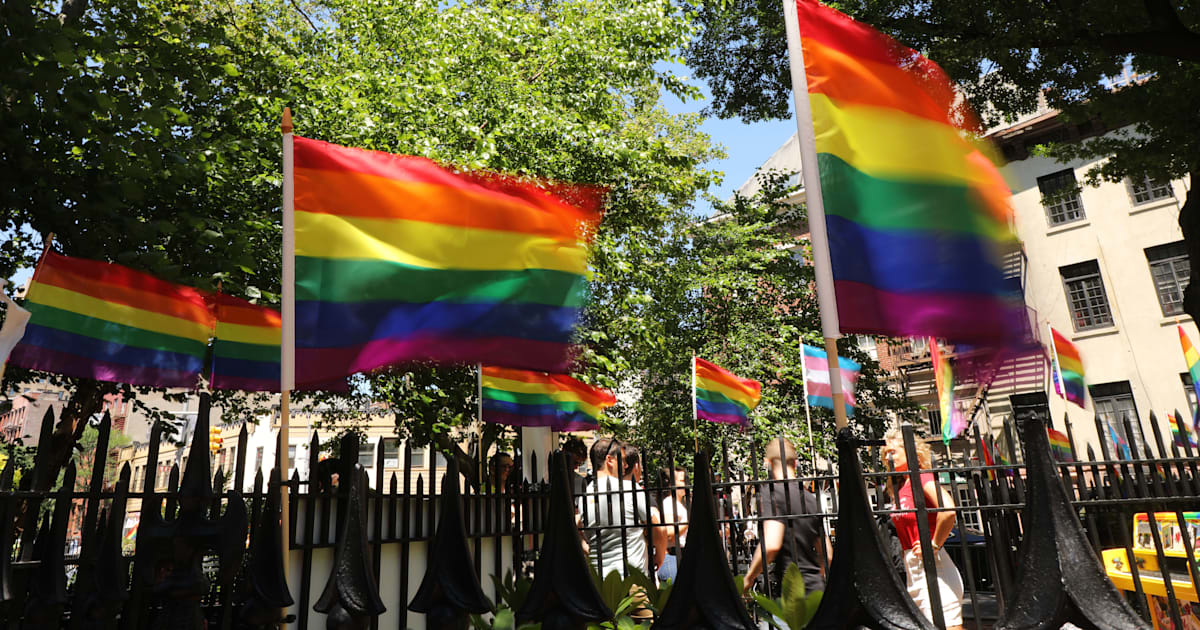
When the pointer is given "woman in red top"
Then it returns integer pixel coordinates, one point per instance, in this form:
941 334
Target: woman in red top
940 525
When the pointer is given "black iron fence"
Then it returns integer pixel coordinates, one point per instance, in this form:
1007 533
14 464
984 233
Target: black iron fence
207 556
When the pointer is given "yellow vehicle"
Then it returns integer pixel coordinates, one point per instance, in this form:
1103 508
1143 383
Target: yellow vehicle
1116 563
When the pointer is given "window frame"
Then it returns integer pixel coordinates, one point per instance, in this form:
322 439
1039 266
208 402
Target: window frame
1058 201
1170 255
1150 186
1073 269
362 450
1111 393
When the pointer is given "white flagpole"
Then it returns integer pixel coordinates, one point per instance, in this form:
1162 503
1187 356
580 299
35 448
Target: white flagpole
287 346
812 451
695 426
826 298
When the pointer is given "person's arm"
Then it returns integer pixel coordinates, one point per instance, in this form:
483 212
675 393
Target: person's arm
773 541
824 551
658 536
945 520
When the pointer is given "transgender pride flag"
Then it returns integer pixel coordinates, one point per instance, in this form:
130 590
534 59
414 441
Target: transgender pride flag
816 379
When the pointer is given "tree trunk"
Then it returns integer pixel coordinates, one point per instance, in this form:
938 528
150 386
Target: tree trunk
86 401
1189 222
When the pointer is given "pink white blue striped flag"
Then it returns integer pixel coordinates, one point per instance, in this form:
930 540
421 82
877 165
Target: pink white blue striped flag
816 379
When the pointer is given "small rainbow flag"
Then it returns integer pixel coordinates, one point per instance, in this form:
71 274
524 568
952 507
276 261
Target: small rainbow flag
1119 443
131 535
722 396
1060 446
400 259
1193 362
98 320
987 458
1066 357
917 216
943 374
1181 432
246 345
538 399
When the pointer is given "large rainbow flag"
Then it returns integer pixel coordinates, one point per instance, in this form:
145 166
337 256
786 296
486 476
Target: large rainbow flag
916 214
245 346
722 396
98 320
1060 445
538 399
1066 357
400 259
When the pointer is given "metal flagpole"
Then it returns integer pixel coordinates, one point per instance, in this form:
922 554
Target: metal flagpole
287 377
812 450
695 427
826 299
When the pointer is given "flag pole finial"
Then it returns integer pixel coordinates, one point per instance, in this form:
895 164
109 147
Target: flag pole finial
286 125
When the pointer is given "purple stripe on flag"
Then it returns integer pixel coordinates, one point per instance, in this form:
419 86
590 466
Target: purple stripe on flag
316 365
866 309
67 364
723 418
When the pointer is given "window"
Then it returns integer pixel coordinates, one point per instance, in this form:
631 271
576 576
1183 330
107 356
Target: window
258 459
233 457
1170 270
1145 190
439 460
1060 196
292 456
366 455
1190 391
391 453
1114 404
1085 295
418 459
971 518
935 421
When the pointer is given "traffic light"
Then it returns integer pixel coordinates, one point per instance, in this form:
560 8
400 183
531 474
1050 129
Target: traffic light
214 439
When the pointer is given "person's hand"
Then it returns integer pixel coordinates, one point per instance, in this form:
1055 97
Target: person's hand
917 549
747 587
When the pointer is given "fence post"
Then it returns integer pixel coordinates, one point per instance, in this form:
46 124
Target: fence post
861 588
563 595
351 596
703 595
450 588
267 592
1060 580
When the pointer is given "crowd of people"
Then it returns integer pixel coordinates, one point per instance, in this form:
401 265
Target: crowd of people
624 525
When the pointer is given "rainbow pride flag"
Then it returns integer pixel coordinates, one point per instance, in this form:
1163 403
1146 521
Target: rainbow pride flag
1181 433
537 399
1119 443
1193 362
91 319
1060 445
245 346
1066 357
400 259
917 216
987 458
943 374
722 396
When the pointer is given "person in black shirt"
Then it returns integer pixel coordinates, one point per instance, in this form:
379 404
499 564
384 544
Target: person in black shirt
792 532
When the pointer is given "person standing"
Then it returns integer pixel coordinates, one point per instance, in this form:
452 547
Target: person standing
674 518
792 531
949 582
609 502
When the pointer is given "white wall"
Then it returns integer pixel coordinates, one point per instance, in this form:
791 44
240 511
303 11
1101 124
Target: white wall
1142 346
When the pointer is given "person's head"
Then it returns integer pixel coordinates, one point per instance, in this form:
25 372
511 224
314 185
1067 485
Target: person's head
576 452
599 451
673 482
502 465
893 449
632 463
779 457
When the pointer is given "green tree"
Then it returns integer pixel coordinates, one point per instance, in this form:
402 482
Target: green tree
731 290
1005 55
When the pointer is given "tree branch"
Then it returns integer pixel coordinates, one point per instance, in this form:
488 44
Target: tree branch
296 5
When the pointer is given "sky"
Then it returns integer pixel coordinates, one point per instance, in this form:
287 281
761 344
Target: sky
747 145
